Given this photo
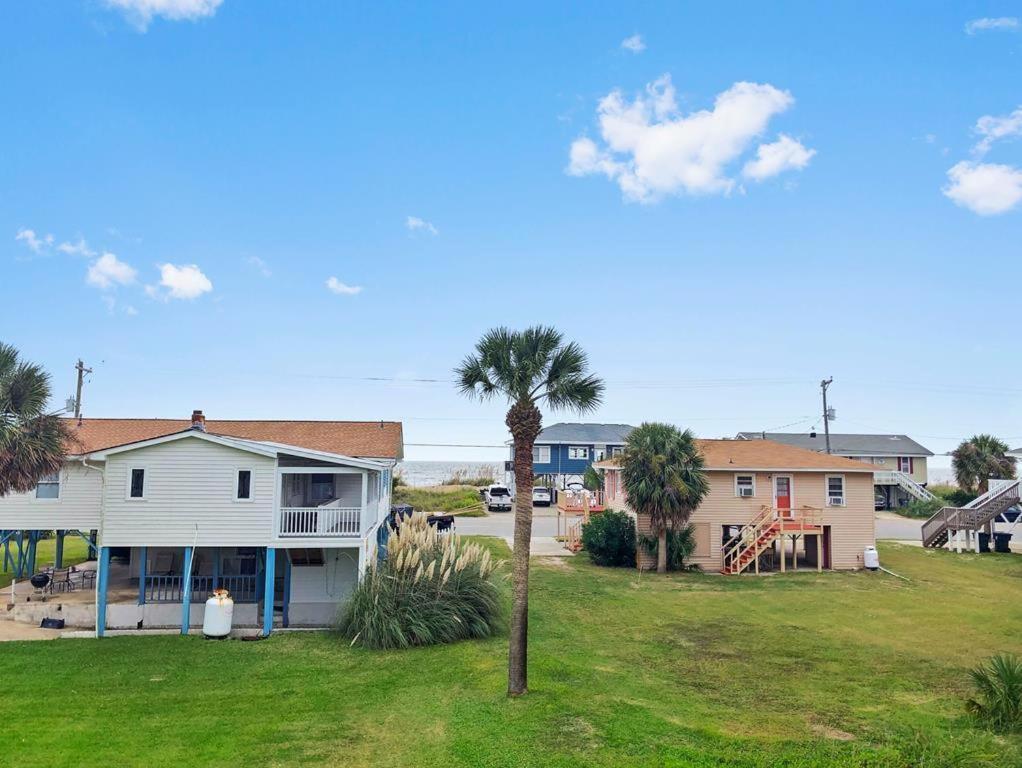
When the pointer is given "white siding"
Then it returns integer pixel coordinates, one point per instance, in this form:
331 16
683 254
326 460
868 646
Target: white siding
81 492
188 483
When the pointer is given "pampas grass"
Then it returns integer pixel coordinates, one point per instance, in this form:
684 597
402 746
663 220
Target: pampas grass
431 589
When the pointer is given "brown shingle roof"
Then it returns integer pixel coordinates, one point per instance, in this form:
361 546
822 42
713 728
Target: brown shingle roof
765 454
367 439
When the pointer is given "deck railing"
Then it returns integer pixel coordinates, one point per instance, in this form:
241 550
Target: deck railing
320 522
170 589
580 502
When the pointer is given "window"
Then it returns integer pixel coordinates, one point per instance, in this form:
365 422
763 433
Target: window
306 556
541 454
835 490
745 485
48 487
321 487
578 452
617 450
243 485
905 464
136 484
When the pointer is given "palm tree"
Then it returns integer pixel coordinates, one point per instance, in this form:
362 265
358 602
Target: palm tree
32 443
980 458
527 368
663 477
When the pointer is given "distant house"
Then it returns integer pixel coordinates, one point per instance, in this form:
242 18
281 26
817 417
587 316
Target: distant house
563 452
770 506
900 475
283 514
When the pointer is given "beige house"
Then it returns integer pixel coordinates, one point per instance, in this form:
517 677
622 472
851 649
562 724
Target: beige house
771 507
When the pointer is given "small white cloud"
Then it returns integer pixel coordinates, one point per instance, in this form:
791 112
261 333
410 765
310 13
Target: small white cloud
785 154
342 289
81 248
414 223
651 149
260 266
984 188
130 311
108 272
993 129
981 25
35 243
140 13
180 282
634 44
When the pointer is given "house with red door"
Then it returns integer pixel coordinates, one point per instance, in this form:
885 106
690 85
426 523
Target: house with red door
770 507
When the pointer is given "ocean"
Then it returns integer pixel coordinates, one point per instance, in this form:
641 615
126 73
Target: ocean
436 472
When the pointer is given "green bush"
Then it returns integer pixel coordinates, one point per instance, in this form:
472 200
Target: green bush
462 477
998 702
952 495
922 509
592 480
680 544
431 589
609 538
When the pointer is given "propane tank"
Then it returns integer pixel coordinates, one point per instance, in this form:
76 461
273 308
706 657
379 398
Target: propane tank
870 558
219 615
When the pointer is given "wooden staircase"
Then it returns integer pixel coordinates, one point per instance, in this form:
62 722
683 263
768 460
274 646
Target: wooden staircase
946 522
752 540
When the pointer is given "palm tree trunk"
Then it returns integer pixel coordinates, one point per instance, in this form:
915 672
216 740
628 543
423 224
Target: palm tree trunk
661 551
523 419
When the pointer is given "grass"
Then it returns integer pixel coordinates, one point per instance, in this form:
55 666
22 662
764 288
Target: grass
75 551
463 477
462 499
799 670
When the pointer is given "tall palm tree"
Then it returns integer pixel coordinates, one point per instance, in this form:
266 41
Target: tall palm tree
32 442
980 458
663 475
527 368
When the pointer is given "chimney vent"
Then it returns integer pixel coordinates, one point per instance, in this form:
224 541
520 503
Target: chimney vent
198 421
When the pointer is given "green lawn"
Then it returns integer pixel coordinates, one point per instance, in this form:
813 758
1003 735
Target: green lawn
75 551
461 499
689 670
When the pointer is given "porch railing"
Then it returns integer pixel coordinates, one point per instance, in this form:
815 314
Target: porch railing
325 522
170 589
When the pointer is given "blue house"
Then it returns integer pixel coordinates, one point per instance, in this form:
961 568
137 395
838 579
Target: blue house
563 452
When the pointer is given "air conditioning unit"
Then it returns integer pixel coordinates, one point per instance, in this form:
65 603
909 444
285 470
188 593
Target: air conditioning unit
747 492
836 501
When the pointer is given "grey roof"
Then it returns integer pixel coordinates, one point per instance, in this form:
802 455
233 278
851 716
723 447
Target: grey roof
585 433
845 444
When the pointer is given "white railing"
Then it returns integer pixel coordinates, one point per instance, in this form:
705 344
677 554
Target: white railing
314 522
903 481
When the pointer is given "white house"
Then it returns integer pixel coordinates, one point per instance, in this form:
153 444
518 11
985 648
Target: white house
281 513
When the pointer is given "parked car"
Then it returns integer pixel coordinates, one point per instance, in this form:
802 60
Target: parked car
879 501
541 497
498 499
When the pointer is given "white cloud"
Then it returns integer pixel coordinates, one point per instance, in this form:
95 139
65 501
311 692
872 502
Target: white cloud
984 188
782 155
634 44
35 243
180 282
260 266
652 149
108 272
415 223
81 248
342 289
993 129
980 25
140 13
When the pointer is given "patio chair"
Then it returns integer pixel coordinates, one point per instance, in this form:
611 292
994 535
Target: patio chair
164 564
60 581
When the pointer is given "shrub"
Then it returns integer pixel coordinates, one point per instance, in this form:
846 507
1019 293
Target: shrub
923 509
952 494
431 589
396 481
592 480
680 544
462 477
609 538
998 702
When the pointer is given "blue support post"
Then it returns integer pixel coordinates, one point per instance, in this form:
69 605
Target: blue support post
33 540
93 535
271 558
287 587
186 593
101 581
58 557
218 567
143 557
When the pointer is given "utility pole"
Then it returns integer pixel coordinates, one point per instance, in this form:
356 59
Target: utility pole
82 370
826 412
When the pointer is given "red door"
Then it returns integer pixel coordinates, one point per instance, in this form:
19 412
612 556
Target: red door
782 495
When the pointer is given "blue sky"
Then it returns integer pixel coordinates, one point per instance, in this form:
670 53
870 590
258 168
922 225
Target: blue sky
179 186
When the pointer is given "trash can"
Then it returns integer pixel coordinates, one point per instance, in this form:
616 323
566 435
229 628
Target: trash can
1001 541
984 542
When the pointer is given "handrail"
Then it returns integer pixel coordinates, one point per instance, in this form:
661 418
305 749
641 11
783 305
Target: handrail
970 516
992 494
747 537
